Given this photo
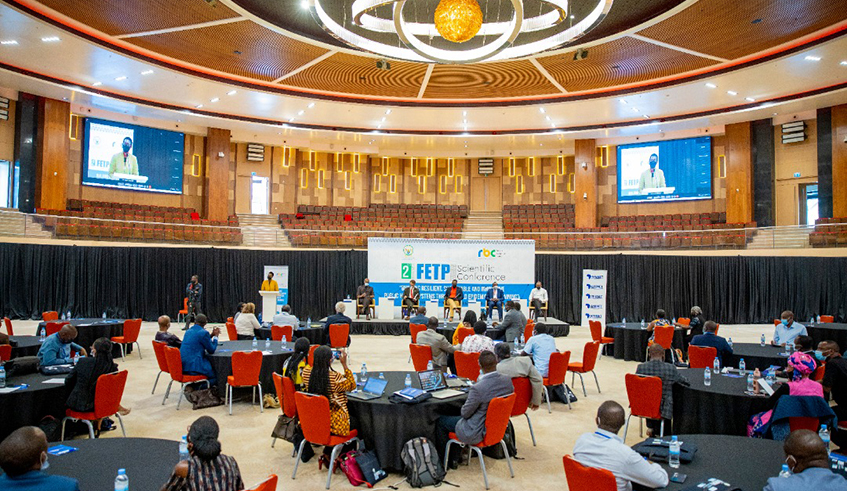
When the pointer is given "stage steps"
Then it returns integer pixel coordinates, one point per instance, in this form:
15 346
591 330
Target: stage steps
262 231
483 225
15 223
781 238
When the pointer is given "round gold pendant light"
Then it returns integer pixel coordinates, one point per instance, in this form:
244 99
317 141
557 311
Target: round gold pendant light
458 20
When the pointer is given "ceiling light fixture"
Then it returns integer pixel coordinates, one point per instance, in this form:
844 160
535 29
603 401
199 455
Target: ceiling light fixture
635 109
50 39
122 77
147 72
749 99
305 4
844 63
198 106
711 85
731 92
231 92
300 113
97 84
387 112
311 105
541 110
623 101
8 42
214 99
646 116
812 58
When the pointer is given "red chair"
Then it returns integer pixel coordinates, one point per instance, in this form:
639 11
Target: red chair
701 357
496 421
246 366
268 484
824 318
467 365
312 349
421 355
48 316
8 322
315 422
53 327
717 328
285 392
463 333
528 330
107 400
684 321
415 329
803 423
663 335
523 397
597 333
277 332
184 310
339 335
174 359
132 327
589 358
580 477
645 400
776 322
159 351
5 352
817 376
557 370
231 331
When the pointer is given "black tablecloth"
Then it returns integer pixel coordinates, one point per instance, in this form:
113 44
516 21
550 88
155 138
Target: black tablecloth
743 462
631 340
828 332
721 409
89 330
148 462
25 407
385 426
756 356
315 335
222 362
25 345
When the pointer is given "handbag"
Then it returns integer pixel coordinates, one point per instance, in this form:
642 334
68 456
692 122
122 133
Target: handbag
348 465
286 428
369 466
203 398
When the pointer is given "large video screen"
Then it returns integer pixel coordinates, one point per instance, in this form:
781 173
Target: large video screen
665 171
126 156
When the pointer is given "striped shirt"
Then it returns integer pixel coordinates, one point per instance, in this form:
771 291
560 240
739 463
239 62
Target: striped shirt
220 474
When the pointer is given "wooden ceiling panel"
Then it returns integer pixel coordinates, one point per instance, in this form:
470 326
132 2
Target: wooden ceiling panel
732 29
343 72
487 80
116 17
622 61
240 48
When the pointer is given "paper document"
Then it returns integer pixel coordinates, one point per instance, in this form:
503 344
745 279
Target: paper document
765 386
6 390
54 381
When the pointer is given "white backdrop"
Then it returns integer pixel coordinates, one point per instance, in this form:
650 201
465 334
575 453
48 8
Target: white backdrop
594 296
281 278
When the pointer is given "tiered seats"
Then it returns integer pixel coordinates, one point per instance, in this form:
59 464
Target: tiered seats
829 232
330 226
518 220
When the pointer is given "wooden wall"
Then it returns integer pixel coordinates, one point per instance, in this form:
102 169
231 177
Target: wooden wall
218 155
791 158
585 183
739 174
839 161
7 134
52 154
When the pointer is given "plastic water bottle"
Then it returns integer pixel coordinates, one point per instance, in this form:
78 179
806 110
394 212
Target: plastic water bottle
255 343
517 342
183 448
408 380
104 314
41 335
643 324
309 322
785 472
716 366
68 316
284 339
268 342
381 376
819 319
729 342
763 341
674 321
824 434
523 340
707 377
364 374
623 320
76 358
2 377
750 383
63 316
789 347
122 481
673 452
742 367
429 365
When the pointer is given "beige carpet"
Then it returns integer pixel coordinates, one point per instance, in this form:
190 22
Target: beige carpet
245 434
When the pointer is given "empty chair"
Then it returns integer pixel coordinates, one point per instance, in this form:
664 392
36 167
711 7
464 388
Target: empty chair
174 358
277 332
701 357
268 484
597 333
421 355
467 365
246 366
50 315
132 327
315 422
827 318
523 397
339 335
581 477
184 310
589 358
557 370
107 401
159 352
645 400
231 331
8 323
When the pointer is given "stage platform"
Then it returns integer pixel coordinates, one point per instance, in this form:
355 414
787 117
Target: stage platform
400 327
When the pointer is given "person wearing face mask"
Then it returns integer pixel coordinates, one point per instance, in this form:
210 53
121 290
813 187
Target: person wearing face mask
787 329
270 285
835 383
56 349
364 297
124 162
194 292
806 456
23 458
653 177
803 344
82 381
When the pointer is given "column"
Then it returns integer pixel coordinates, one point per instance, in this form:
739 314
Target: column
585 183
216 196
739 173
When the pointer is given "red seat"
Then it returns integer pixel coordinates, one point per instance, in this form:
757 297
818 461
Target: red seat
50 315
663 335
268 484
339 335
463 333
107 400
246 366
285 393
467 365
277 332
174 358
5 352
184 310
523 398
827 318
582 478
159 351
701 357
8 322
597 333
645 400
312 349
529 329
803 423
414 329
315 422
421 355
132 327
817 376
589 358
557 370
53 327
231 332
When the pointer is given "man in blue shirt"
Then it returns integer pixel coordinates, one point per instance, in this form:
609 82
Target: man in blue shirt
22 456
420 317
494 300
196 343
787 330
540 346
710 339
806 456
56 349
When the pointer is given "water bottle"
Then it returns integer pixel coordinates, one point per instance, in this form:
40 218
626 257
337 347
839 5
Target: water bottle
707 377
76 358
750 383
69 315
104 314
785 472
523 340
41 335
673 452
517 342
643 324
183 448
742 367
268 342
381 376
729 342
255 343
429 365
284 339
812 320
122 481
63 316
819 318
674 321
408 380
2 377
789 348
309 322
623 320
763 341
824 434
716 366
364 374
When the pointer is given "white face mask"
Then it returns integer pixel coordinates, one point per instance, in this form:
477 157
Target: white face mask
45 464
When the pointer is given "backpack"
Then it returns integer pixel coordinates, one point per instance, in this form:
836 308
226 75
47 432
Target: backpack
496 451
421 463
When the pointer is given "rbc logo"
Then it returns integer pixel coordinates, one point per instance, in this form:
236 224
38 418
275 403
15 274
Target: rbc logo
487 253
594 287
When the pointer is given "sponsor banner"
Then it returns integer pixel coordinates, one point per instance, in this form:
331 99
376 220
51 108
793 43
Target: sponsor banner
593 299
434 264
281 278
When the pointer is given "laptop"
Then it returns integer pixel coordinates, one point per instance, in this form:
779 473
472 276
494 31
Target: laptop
432 381
373 389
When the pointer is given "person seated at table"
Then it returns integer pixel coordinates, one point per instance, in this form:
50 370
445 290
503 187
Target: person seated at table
604 449
337 318
695 325
787 330
470 426
286 318
23 455
513 323
710 339
163 336
296 363
494 299
82 381
802 365
656 366
808 461
540 346
803 344
420 317
196 344
238 311
56 349
247 323
658 321
207 467
321 379
478 341
835 384
469 320
518 366
442 350
453 296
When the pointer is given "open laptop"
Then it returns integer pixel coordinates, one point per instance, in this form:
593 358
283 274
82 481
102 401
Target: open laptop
432 381
373 389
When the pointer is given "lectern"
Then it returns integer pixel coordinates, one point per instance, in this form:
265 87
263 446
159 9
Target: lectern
268 305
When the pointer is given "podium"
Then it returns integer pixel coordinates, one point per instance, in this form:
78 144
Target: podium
268 305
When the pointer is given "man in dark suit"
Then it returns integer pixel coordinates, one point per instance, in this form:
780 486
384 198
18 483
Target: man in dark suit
411 298
470 426
656 366
709 338
337 318
453 298
514 321
494 300
194 292
365 297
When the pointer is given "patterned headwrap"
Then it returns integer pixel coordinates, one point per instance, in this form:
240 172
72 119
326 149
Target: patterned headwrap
802 363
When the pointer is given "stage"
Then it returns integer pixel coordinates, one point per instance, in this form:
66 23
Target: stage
400 327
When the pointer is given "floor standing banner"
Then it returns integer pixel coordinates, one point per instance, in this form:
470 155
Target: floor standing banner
594 296
281 278
434 264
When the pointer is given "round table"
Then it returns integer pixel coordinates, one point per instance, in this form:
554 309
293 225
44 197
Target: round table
315 335
631 340
728 458
149 462
723 408
89 330
756 356
385 426
222 362
828 331
25 345
26 407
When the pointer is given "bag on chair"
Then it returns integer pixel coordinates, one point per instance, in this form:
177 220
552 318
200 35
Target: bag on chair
421 463
286 428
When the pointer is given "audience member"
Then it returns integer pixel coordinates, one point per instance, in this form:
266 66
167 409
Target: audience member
787 330
337 318
470 319
196 344
442 350
453 296
658 321
537 299
470 426
835 383
478 341
420 317
656 366
365 297
514 321
494 299
803 344
807 458
296 363
321 379
710 339
207 468
540 346
23 455
802 365
82 381
56 349
286 318
695 325
163 336
520 367
604 449
238 311
247 323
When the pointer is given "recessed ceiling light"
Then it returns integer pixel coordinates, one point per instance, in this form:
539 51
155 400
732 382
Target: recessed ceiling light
383 119
379 126
731 92
844 63
198 106
97 84
50 39
623 101
305 4
290 120
541 109
547 118
311 105
464 113
813 58
387 112
122 77
214 99
231 92
147 72
711 85
8 42
300 113
635 109
573 17
749 99
646 116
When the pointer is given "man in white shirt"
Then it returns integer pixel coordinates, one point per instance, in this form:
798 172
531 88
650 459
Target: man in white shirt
537 299
286 318
604 449
787 330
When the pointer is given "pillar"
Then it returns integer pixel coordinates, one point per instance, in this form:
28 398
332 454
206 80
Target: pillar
739 173
216 194
585 183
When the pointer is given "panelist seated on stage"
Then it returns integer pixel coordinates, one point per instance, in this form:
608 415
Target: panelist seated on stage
787 329
453 296
442 350
337 318
494 299
420 317
808 461
196 345
514 321
365 297
56 349
247 322
411 298
538 298
23 455
286 318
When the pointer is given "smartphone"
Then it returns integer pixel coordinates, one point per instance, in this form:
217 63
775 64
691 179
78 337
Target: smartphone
677 477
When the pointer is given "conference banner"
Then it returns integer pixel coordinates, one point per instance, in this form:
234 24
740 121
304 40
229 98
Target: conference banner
594 296
281 278
434 264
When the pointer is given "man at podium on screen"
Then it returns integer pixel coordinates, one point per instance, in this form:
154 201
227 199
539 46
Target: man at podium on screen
124 162
652 177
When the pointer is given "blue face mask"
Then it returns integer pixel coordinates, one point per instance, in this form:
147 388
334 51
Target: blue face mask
785 322
819 355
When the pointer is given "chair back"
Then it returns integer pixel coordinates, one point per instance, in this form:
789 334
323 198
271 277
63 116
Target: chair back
497 419
817 376
580 477
717 328
558 367
467 365
277 332
415 329
589 355
338 335
701 357
776 322
528 330
184 306
174 358
285 393
684 321
8 322
463 333
645 395
53 327
50 315
231 331
268 484
596 330
108 393
803 423
246 366
827 318
523 395
312 349
663 335
230 319
314 417
421 354
132 327
5 352
159 351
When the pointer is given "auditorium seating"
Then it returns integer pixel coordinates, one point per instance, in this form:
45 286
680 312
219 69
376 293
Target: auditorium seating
829 232
330 226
